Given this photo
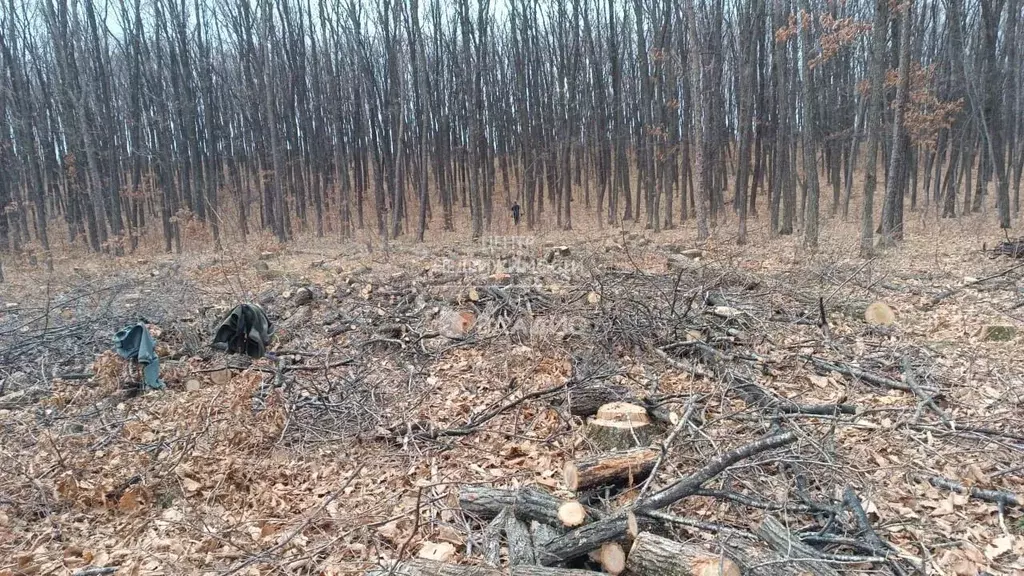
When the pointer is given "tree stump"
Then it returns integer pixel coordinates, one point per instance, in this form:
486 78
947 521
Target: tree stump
619 426
586 399
653 555
614 468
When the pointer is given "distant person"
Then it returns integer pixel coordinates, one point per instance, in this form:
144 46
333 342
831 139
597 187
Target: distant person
516 213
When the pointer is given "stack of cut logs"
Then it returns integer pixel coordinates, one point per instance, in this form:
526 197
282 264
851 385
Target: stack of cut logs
548 535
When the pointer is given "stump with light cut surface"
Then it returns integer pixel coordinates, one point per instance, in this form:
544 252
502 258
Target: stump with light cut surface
619 426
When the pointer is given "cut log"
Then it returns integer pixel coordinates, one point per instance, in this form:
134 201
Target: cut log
652 555
615 468
423 567
532 503
545 571
578 542
527 504
483 502
492 538
542 533
520 545
619 426
611 557
582 540
586 399
572 514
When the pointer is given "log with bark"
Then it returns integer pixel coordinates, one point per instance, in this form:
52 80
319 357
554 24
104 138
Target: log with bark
519 541
614 468
484 502
424 567
582 540
532 503
619 426
528 504
586 399
653 555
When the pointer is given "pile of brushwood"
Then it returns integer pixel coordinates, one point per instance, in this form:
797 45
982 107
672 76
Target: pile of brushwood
727 440
1011 248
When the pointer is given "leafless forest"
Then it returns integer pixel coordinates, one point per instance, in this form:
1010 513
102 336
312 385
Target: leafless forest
119 120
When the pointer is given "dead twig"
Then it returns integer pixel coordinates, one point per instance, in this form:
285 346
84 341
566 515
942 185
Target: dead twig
298 530
953 291
994 496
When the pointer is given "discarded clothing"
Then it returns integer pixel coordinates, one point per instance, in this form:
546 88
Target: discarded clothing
136 343
245 330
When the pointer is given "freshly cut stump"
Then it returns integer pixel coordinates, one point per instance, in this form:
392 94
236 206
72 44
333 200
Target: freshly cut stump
614 468
653 555
619 426
879 314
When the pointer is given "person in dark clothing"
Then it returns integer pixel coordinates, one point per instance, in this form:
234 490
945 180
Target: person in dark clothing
515 213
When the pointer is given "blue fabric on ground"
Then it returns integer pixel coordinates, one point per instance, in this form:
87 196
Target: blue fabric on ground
136 343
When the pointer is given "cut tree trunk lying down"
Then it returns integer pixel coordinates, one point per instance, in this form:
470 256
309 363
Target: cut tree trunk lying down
583 540
656 556
614 468
484 502
529 504
423 567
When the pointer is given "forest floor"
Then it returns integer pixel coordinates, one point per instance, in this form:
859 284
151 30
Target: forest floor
350 447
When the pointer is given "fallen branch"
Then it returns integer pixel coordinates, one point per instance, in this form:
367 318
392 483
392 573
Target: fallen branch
304 367
953 291
96 571
852 502
291 535
858 374
785 543
429 431
690 484
995 496
878 546
926 400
